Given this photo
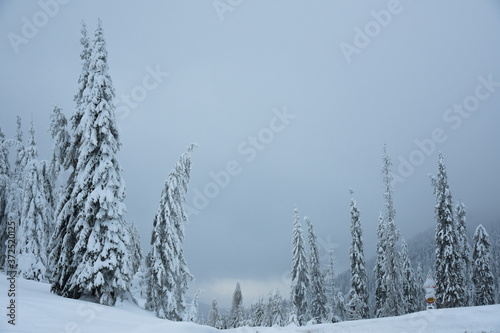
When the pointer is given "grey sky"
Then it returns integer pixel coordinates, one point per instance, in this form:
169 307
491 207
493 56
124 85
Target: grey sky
227 82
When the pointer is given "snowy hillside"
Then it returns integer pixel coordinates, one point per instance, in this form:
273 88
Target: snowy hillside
40 311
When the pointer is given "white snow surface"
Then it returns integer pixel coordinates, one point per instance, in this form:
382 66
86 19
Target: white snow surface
38 310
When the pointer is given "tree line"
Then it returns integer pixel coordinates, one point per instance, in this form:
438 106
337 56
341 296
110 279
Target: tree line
76 235
464 275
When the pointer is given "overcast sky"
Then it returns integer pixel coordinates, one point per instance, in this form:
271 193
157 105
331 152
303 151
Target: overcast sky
290 103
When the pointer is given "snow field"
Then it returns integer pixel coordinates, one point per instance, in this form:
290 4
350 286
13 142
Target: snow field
40 311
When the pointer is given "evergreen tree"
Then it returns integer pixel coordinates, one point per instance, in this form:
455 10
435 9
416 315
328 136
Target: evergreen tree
60 135
236 316
168 272
358 295
300 278
134 247
274 312
388 261
318 298
36 215
62 265
409 283
62 139
419 278
331 292
213 316
258 313
484 286
464 254
21 160
192 310
340 310
139 283
14 195
449 291
100 263
102 241
4 190
380 286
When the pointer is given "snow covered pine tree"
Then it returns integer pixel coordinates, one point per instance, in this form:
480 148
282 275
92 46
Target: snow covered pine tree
236 315
484 286
465 254
409 283
450 292
168 274
94 257
388 297
4 190
63 238
300 278
358 294
318 295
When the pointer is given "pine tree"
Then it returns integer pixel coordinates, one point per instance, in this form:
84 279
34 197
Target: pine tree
35 217
4 190
464 254
21 160
60 148
168 271
389 302
100 263
62 139
358 295
340 309
380 285
419 280
449 291
299 273
331 292
484 286
104 269
14 195
139 283
134 247
35 225
274 313
236 315
16 185
62 265
318 295
213 316
409 283
192 309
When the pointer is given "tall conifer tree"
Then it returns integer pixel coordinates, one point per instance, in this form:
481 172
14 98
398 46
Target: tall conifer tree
299 273
450 292
318 295
484 285
168 274
358 294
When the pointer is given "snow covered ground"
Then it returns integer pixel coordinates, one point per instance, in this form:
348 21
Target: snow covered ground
39 311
